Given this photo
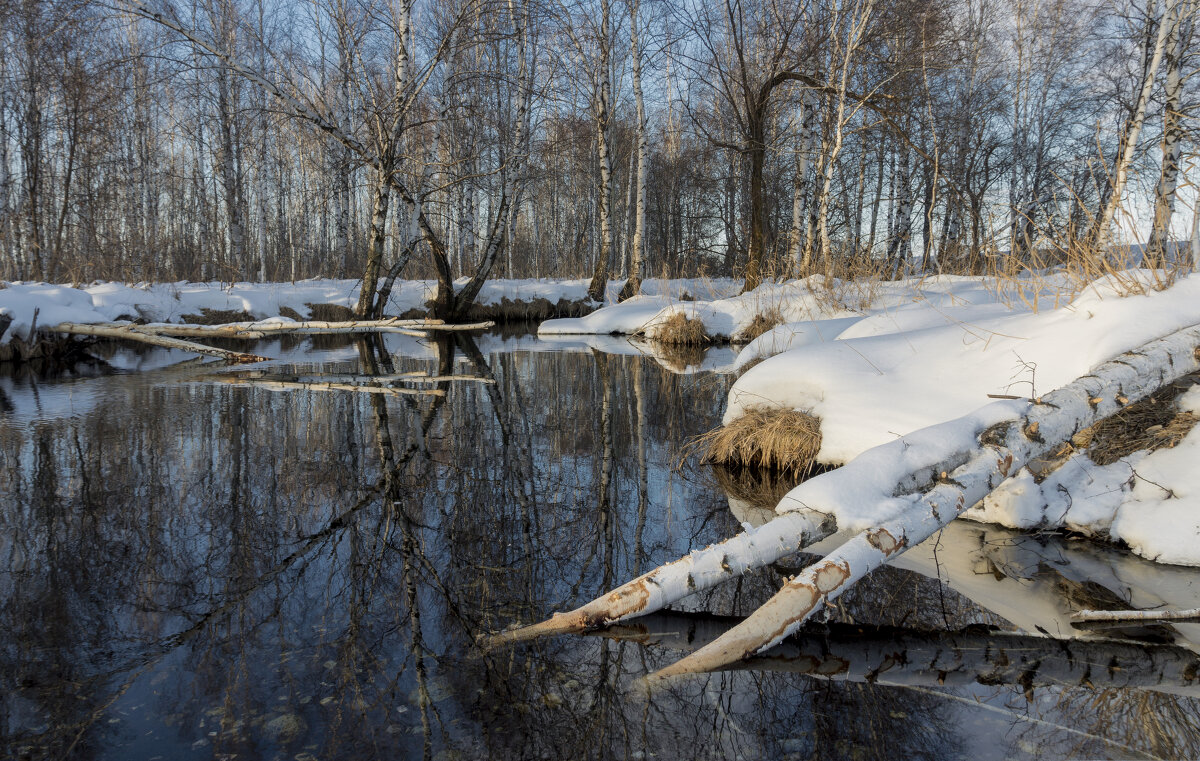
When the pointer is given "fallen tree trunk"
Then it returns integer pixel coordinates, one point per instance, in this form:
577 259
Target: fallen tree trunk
252 330
132 332
933 493
1003 450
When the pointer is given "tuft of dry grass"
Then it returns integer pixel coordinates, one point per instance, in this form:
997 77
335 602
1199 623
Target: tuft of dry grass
330 312
680 330
765 437
764 321
217 316
1152 423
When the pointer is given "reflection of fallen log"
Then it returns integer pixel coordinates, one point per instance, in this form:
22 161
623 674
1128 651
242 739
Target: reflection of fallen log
936 492
416 376
1118 617
131 332
289 385
895 656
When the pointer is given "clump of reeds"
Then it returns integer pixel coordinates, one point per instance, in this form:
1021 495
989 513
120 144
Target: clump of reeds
1155 422
785 440
764 321
680 330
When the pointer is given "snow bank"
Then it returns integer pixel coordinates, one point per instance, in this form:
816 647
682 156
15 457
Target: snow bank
1150 501
906 367
915 365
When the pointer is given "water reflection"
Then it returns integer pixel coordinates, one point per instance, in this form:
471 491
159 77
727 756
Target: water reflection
194 568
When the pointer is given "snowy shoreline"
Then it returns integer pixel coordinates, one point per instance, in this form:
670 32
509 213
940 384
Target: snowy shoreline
873 361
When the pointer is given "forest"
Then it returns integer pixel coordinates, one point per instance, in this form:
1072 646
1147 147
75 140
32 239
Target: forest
258 140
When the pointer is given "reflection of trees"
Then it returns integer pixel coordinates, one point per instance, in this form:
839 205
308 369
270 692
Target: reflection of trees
306 573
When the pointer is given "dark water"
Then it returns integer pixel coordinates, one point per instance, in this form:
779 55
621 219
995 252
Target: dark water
196 568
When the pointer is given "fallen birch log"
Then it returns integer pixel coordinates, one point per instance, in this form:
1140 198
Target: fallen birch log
131 332
1003 450
959 480
251 330
1134 616
906 657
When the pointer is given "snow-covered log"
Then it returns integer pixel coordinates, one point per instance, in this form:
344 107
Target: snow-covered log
700 570
1002 451
132 333
977 655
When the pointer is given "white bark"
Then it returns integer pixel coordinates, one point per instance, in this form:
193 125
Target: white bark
702 569
136 333
1133 129
1172 139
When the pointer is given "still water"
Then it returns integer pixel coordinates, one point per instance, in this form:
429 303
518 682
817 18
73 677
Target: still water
203 562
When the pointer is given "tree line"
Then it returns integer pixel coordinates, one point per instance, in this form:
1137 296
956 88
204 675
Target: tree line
267 140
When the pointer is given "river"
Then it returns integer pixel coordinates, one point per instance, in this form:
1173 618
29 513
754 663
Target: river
200 561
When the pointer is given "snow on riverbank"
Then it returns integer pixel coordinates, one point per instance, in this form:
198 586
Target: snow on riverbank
169 302
904 369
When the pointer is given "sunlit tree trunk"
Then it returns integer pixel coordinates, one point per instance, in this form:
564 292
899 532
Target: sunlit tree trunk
1177 42
1155 47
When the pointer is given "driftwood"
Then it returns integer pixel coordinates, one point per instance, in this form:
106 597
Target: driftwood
131 332
949 489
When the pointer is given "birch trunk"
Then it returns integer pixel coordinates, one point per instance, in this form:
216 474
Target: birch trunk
599 283
633 285
1133 128
1172 140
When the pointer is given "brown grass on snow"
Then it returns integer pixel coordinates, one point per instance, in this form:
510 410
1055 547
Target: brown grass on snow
765 437
681 330
1152 423
762 322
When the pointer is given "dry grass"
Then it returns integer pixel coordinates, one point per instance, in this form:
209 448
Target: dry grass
765 437
1153 423
680 330
763 321
330 312
217 317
